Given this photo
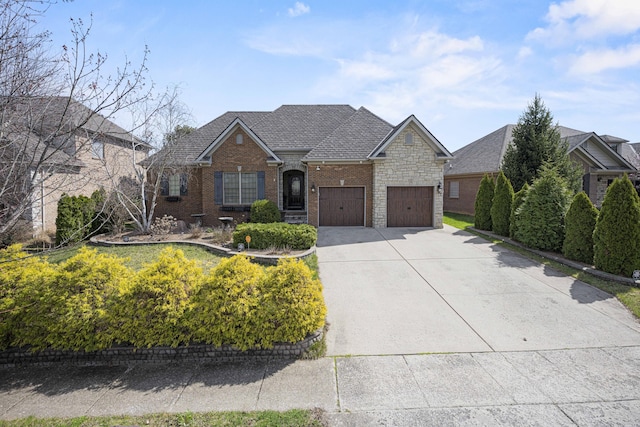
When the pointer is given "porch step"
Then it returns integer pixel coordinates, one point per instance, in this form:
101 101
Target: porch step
296 217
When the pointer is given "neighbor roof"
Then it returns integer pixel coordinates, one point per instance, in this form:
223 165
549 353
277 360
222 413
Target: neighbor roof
486 153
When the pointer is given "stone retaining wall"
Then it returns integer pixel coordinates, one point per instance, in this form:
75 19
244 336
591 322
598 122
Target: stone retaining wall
114 356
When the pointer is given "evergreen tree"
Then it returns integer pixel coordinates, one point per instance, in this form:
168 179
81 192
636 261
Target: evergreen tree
518 200
541 216
579 225
617 234
501 206
536 141
484 200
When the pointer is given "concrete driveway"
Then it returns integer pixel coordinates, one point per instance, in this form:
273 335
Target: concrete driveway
412 291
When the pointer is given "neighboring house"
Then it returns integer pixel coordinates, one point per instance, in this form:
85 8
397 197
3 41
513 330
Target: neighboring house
325 165
62 147
601 164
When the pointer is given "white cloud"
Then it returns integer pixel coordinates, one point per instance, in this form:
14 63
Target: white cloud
589 19
524 52
596 61
298 9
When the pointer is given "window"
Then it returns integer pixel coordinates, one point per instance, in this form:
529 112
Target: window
454 190
174 185
240 188
239 139
408 138
97 149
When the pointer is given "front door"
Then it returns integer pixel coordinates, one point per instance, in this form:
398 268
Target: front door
294 190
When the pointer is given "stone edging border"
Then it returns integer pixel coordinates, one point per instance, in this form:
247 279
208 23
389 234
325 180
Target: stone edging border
218 250
555 257
119 356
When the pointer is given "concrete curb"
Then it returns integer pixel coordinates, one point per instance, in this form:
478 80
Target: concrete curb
557 258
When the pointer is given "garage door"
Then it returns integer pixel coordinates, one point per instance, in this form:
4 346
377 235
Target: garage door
341 206
409 206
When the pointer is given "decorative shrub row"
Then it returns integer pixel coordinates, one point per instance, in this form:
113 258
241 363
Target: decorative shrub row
278 235
92 301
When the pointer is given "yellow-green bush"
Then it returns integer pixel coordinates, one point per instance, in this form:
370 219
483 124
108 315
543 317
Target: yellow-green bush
152 311
73 310
23 279
225 308
292 305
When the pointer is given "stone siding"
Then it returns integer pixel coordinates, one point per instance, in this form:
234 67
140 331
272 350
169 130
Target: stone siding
407 165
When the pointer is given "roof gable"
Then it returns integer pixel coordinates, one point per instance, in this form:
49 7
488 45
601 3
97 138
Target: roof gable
440 150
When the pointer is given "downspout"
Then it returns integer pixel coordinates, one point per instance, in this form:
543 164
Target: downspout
306 192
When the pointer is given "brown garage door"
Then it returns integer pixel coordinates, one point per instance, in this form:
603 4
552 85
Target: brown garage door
409 206
341 206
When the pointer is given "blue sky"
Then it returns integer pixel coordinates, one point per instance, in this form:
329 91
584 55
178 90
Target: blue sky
463 67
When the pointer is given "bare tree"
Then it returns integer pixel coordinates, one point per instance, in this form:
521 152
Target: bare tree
46 101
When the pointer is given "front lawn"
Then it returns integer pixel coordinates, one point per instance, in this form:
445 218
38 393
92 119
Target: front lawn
292 418
628 295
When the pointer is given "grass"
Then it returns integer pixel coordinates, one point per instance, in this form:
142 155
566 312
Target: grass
628 295
292 418
137 256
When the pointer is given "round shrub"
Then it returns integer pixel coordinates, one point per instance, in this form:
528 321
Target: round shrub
579 225
617 234
264 212
541 216
518 200
152 311
225 307
291 303
501 206
484 199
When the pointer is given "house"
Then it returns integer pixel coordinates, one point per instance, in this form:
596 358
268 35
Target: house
325 165
600 161
55 145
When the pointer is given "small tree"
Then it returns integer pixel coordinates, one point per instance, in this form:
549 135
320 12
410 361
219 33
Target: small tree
579 225
501 206
541 216
484 199
617 233
518 200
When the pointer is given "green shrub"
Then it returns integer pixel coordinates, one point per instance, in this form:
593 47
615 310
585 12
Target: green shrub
74 310
279 235
75 218
617 234
501 206
518 200
541 216
152 311
579 225
484 199
291 303
23 279
264 212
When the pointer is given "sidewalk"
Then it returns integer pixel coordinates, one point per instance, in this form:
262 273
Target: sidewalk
596 386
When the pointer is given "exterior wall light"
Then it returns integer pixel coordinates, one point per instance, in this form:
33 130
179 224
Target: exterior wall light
440 187
313 188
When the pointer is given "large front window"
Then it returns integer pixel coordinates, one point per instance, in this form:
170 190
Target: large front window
240 188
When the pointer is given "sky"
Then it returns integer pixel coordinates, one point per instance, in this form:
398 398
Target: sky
464 68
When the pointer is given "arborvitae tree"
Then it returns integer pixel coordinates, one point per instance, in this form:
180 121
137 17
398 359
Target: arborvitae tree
518 200
617 234
541 216
501 206
579 225
484 199
536 141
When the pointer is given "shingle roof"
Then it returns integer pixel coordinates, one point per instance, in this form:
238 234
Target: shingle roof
485 154
353 139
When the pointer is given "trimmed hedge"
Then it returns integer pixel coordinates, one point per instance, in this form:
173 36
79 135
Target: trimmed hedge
484 200
617 234
579 225
276 235
264 212
92 301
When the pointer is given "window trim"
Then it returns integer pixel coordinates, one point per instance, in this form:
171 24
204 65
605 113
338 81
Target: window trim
97 153
239 176
454 194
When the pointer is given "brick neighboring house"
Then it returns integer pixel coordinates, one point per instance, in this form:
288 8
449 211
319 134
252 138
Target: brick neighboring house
601 158
68 148
325 165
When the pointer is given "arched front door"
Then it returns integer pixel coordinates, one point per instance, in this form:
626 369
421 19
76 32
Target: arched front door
293 190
